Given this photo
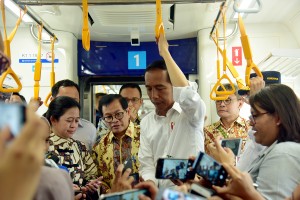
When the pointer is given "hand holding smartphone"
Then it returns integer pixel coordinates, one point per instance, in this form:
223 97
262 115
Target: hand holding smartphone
235 144
12 116
172 168
128 164
208 168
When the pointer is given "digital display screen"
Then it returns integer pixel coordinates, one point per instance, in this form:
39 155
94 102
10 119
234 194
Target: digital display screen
122 59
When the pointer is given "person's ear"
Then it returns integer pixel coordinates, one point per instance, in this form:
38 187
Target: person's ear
278 120
53 120
241 103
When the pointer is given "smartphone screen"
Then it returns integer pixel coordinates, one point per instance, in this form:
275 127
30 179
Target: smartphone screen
206 167
170 194
234 144
171 168
13 116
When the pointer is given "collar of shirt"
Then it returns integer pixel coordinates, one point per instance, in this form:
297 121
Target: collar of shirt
175 108
239 121
56 137
267 150
129 132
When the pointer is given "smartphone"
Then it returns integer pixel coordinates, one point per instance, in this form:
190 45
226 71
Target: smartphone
172 168
13 116
235 144
171 194
125 195
208 168
201 191
129 164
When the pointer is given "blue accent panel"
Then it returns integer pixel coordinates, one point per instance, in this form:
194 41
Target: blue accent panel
136 60
117 58
33 60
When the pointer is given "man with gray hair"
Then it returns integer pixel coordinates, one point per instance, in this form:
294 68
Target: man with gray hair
230 125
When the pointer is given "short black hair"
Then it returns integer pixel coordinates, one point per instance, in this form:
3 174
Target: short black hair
63 83
107 99
21 97
131 85
100 94
59 106
158 64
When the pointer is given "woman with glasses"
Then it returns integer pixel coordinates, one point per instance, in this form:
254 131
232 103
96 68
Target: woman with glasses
275 119
63 115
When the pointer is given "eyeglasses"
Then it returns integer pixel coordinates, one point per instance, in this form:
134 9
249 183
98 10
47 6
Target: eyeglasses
118 115
4 62
253 117
226 102
134 100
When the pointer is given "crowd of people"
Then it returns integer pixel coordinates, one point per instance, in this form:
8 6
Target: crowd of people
122 154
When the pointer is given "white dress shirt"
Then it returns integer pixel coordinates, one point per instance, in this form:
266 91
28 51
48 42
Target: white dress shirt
179 134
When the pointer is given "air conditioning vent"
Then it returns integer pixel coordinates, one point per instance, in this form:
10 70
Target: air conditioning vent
107 2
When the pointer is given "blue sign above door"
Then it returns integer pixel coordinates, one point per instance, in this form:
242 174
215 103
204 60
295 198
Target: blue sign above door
122 59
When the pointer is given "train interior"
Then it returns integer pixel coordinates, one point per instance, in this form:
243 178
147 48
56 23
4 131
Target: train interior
122 39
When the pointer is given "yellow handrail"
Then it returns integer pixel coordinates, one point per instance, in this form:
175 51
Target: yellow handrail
38 66
159 26
85 26
52 73
225 92
216 86
7 41
247 53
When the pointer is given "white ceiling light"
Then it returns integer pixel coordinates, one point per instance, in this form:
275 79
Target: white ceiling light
16 10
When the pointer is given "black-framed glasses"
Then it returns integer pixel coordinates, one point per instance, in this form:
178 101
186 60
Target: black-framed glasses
253 117
134 100
118 115
226 101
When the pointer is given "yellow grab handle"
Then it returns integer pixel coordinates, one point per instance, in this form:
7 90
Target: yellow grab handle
7 41
224 92
10 72
159 26
214 90
85 26
38 66
52 73
249 68
37 78
46 102
240 82
247 54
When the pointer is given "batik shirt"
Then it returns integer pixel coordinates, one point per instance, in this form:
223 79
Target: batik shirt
239 129
111 152
74 155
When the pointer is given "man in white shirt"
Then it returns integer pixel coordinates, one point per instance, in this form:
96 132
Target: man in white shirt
175 128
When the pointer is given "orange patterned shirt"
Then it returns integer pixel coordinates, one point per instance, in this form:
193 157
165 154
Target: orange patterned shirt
238 129
111 152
